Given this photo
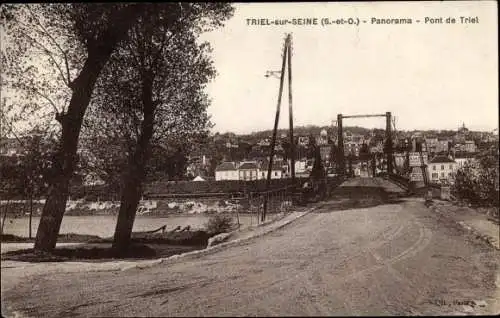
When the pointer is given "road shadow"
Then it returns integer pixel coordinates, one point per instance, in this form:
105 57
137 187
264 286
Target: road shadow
99 252
143 246
358 197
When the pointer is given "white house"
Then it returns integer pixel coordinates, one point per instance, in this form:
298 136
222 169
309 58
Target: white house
357 171
322 139
442 145
441 169
248 171
266 142
470 146
300 166
463 160
226 171
276 171
303 140
416 160
432 143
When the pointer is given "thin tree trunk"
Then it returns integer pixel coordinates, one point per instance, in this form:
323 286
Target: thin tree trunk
132 188
31 213
71 122
6 207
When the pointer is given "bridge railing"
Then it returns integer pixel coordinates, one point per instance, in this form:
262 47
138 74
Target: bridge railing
285 199
399 179
279 201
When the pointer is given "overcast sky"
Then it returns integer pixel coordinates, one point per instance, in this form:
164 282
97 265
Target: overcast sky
429 76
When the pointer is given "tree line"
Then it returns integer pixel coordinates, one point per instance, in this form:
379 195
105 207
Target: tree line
133 73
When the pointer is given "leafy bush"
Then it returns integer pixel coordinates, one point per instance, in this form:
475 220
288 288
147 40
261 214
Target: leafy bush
477 186
466 185
219 223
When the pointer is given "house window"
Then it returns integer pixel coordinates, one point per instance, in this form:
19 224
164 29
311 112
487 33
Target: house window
442 174
433 167
442 167
434 175
275 173
451 167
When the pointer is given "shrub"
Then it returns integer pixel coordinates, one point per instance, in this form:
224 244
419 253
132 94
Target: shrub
219 223
477 187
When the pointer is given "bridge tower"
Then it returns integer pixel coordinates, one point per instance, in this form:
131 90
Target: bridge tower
388 149
388 136
340 146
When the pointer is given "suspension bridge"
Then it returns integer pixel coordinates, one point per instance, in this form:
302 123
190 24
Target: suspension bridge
397 177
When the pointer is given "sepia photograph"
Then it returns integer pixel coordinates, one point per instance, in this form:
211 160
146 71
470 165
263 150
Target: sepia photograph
265 159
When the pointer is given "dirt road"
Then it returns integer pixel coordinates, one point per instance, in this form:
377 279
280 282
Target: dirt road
393 259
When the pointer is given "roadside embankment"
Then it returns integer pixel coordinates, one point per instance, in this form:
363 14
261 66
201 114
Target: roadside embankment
480 224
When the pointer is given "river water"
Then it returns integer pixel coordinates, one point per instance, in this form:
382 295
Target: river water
104 225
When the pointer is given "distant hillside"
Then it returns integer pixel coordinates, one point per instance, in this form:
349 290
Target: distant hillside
307 130
315 130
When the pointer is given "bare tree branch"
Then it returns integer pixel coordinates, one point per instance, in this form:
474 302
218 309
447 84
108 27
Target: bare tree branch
48 53
45 32
50 37
47 99
67 69
11 130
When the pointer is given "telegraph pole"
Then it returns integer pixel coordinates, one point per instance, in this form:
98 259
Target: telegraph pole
276 120
290 111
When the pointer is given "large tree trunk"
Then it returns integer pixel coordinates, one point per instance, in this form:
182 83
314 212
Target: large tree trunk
71 122
132 189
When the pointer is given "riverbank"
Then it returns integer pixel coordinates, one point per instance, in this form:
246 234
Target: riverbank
143 250
153 207
104 225
62 238
143 246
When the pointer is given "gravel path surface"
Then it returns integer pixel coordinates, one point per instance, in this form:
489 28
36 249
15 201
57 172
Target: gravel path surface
393 259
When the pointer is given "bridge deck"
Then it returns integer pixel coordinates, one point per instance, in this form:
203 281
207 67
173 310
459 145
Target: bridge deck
376 182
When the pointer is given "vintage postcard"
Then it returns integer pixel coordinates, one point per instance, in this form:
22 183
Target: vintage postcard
249 159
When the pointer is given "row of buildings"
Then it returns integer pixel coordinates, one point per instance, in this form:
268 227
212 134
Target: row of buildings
258 169
440 169
445 152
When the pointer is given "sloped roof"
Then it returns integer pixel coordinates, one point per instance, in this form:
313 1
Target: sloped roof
198 178
226 166
248 165
462 155
441 159
276 166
